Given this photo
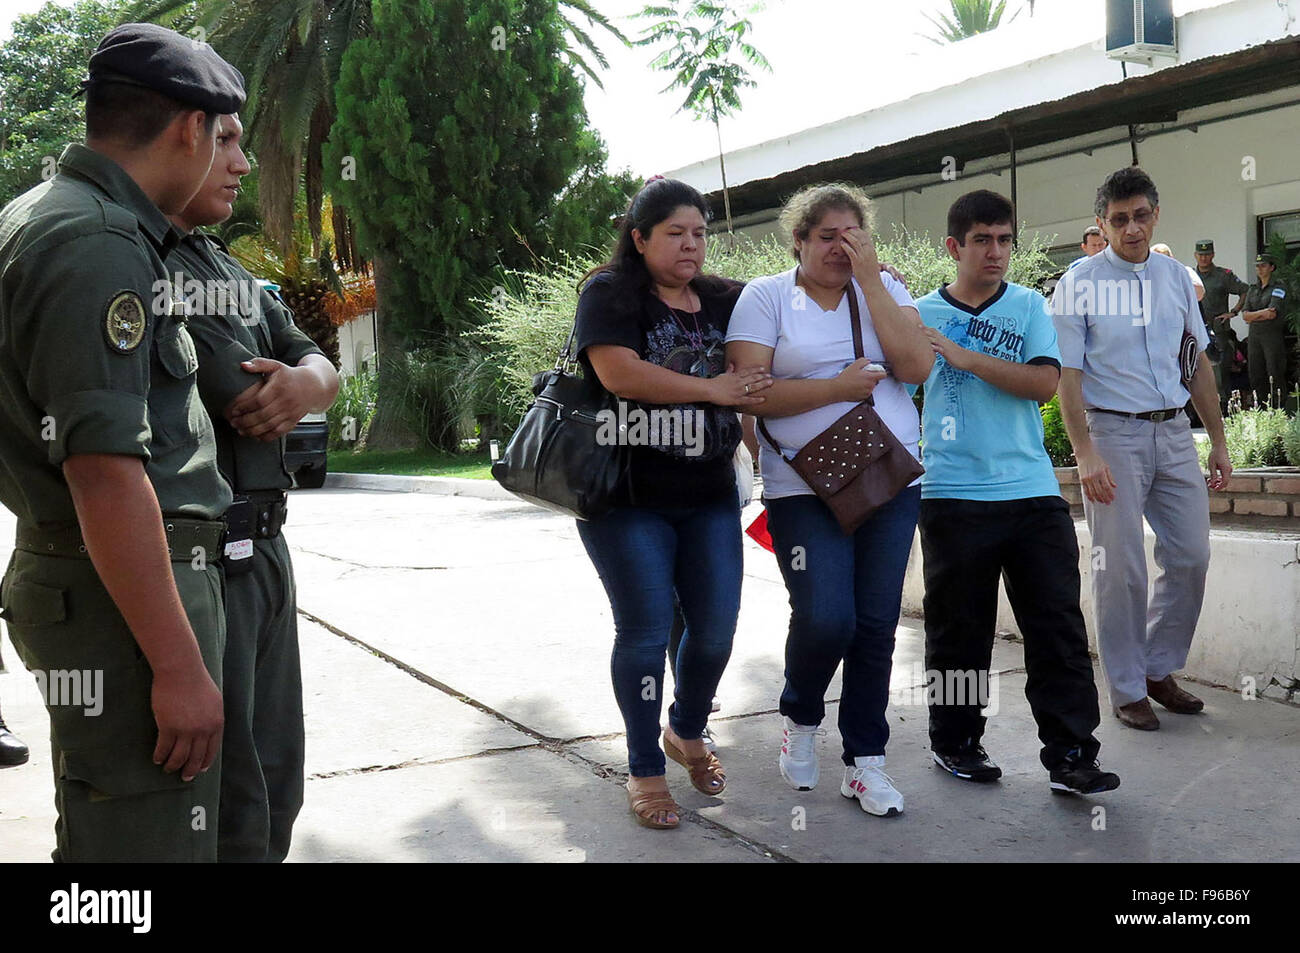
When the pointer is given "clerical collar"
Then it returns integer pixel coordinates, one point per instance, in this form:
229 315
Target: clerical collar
1123 265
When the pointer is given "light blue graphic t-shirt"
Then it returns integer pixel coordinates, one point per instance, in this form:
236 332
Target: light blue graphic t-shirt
979 442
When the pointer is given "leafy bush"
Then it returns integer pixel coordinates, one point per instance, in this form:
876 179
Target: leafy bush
1055 439
358 396
529 317
415 390
1256 438
1291 441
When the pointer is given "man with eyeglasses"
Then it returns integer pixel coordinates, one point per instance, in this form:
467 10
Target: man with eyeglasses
1132 352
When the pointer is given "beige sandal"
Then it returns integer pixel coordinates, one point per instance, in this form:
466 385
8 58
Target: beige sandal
706 772
649 806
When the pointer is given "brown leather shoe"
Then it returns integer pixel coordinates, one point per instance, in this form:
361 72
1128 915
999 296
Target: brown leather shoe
1168 693
1138 715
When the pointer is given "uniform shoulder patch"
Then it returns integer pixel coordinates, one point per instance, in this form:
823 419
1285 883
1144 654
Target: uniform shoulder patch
124 322
1279 293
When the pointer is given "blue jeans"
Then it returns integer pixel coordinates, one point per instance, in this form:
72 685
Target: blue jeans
845 596
643 555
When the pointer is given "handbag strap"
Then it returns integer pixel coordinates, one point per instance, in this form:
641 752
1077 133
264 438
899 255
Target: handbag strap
565 357
855 321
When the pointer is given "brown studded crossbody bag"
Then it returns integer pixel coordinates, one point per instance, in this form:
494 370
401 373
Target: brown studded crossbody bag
856 465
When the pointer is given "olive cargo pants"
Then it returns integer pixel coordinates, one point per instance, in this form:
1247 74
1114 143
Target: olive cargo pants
114 803
263 753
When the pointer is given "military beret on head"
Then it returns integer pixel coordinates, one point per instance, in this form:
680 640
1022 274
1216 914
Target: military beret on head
148 55
1205 247
1264 258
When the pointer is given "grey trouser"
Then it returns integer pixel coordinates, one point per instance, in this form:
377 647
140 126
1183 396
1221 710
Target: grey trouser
1157 475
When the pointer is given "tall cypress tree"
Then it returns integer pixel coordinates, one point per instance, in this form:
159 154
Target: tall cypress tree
458 123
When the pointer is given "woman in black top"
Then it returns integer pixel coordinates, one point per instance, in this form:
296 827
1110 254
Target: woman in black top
652 328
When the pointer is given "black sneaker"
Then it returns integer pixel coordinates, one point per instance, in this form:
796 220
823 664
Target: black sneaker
1082 777
970 763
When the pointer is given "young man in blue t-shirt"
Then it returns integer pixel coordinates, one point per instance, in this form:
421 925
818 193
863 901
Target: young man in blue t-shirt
991 506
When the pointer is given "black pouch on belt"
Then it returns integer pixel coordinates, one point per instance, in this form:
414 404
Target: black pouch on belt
237 554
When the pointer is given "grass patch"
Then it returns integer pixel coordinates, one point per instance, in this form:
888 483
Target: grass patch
420 462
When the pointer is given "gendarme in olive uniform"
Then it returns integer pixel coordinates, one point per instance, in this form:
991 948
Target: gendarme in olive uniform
95 359
263 752
1219 283
1266 343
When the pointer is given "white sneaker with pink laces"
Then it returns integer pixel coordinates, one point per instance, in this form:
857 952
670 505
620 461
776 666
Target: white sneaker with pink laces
798 761
874 789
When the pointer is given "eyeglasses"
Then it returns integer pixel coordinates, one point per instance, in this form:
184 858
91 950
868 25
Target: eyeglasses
1120 221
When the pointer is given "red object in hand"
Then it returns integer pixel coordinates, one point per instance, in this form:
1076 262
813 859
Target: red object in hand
757 531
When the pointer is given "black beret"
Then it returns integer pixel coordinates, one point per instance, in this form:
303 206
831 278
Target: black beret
148 55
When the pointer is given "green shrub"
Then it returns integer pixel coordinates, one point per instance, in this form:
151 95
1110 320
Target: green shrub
1255 438
1291 441
1055 439
358 396
416 392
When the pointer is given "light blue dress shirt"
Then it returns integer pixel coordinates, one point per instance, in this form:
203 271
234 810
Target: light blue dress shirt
1122 325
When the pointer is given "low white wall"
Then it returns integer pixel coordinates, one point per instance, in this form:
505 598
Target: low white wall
1250 621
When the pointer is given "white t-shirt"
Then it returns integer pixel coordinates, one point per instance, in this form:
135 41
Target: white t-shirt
812 344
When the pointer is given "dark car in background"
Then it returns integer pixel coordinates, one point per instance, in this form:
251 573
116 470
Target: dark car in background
304 451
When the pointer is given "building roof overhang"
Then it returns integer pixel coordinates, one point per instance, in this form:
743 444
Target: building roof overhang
1154 98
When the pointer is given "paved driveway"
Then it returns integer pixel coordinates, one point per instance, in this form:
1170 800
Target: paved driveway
456 663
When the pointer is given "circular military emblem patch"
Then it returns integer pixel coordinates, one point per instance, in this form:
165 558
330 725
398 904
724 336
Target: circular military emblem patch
124 322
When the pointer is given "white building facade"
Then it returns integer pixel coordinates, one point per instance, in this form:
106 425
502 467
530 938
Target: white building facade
1218 129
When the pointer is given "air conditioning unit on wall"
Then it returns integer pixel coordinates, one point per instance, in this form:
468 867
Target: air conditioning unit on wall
1139 31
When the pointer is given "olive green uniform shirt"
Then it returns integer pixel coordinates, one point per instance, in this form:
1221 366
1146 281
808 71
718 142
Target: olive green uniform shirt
1219 283
1271 295
232 318
94 355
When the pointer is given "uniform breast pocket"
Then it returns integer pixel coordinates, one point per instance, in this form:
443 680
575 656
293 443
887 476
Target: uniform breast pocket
176 414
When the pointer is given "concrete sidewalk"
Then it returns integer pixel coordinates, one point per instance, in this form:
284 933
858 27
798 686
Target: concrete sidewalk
456 663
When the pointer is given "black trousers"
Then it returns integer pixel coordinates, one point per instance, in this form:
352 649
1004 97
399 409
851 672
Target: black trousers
966 545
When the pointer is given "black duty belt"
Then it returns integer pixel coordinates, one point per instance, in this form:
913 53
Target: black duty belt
257 515
1153 415
183 536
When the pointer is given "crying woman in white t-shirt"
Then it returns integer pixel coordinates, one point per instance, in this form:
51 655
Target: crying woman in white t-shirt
845 591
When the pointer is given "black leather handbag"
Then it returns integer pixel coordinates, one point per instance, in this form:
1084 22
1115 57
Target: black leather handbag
555 457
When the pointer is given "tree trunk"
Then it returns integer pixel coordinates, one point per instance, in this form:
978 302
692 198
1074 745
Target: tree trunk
388 430
722 165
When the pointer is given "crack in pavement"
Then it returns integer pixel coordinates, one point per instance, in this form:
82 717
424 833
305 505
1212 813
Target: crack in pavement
361 565
416 763
557 746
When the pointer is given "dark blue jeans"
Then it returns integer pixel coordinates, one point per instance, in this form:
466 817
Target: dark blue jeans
643 555
845 596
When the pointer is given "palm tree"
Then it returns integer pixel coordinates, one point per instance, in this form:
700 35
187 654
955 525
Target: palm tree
707 46
969 17
290 52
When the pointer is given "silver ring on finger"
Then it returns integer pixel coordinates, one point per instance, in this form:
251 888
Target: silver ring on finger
746 390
